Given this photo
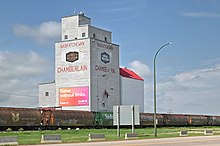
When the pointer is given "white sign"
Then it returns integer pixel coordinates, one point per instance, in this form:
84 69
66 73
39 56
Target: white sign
126 114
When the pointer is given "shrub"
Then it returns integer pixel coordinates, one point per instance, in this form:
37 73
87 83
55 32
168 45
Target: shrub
9 129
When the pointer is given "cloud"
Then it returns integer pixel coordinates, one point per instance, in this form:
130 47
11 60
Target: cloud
20 75
210 62
144 71
201 14
194 91
43 33
141 69
16 64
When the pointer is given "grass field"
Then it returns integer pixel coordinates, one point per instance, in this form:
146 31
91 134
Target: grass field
72 136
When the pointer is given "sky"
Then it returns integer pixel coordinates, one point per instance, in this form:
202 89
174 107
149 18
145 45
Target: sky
188 71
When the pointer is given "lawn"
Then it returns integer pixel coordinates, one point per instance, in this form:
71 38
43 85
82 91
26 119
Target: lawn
72 136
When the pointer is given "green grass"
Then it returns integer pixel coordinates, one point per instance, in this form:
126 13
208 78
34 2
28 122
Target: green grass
74 136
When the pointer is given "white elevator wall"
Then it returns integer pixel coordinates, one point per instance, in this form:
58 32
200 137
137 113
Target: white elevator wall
132 92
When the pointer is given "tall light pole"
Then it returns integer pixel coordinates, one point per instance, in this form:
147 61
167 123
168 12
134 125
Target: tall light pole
155 90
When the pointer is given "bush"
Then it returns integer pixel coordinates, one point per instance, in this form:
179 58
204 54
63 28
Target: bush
59 129
9 129
20 129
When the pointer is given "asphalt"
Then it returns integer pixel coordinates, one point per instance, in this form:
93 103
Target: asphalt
179 141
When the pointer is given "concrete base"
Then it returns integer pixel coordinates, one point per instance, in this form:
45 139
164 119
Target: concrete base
8 140
51 139
96 137
131 136
183 133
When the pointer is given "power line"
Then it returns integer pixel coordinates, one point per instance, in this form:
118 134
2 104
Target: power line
15 94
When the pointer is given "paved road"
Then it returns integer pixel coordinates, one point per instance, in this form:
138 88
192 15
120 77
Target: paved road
180 141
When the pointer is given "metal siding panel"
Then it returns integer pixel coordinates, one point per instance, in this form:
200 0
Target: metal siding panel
104 79
47 101
75 78
132 92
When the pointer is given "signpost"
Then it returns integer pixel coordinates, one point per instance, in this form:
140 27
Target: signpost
126 115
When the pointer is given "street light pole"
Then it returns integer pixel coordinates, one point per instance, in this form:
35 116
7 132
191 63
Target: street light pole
155 90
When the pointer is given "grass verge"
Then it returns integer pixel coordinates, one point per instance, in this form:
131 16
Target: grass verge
74 136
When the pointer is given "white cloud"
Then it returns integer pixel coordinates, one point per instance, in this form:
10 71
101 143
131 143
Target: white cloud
190 92
144 71
20 75
141 69
43 33
195 91
17 64
201 14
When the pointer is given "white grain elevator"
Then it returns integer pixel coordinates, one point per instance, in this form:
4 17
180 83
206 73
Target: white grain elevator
87 73
86 67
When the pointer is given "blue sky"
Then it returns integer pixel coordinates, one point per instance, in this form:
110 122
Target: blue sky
187 71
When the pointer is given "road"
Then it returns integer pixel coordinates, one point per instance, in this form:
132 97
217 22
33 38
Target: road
179 141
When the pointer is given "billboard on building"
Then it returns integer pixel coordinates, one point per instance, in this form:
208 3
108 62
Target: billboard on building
74 96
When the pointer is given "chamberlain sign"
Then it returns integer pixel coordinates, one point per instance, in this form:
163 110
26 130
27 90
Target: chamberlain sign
72 68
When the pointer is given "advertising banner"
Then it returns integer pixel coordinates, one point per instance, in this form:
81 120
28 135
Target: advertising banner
74 96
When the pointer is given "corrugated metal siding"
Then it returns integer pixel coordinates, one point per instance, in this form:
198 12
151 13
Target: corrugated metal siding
76 78
50 100
104 76
132 92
